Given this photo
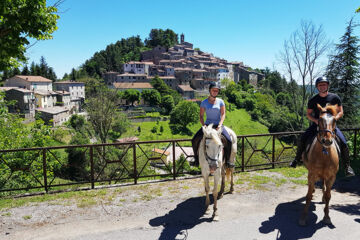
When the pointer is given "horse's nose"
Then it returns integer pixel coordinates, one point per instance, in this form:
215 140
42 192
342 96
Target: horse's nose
328 142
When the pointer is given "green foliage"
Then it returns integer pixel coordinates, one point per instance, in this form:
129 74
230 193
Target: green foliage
113 57
164 89
184 114
159 37
131 95
167 103
120 126
343 72
77 122
152 97
19 21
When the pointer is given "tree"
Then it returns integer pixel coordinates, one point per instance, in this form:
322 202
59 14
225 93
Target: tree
184 114
132 95
120 126
301 56
167 103
151 96
25 71
159 37
101 109
22 20
343 73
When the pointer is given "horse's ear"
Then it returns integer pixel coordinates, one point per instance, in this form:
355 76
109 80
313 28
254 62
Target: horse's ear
219 131
320 108
204 129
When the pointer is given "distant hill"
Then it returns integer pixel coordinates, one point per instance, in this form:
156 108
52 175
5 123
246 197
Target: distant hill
125 50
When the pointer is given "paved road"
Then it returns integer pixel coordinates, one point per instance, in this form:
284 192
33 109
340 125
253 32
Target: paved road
255 215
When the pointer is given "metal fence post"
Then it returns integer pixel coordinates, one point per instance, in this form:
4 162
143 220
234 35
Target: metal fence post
44 170
135 167
355 142
174 162
92 167
273 152
242 154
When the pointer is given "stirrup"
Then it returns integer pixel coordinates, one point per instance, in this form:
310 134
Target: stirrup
294 163
230 165
349 172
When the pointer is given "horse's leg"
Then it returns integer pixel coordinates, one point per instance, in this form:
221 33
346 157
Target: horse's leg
217 176
323 190
207 188
231 180
327 196
311 187
222 188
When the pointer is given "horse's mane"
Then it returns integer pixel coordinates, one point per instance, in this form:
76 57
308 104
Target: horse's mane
211 132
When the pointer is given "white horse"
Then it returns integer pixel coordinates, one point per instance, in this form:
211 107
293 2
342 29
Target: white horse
211 162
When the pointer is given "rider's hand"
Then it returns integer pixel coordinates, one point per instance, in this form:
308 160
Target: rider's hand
219 127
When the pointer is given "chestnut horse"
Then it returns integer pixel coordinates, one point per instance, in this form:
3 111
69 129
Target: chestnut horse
322 160
212 162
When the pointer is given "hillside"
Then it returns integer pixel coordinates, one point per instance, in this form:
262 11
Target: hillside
238 120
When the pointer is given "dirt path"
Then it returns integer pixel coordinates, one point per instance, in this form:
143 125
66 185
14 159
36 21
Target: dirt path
174 210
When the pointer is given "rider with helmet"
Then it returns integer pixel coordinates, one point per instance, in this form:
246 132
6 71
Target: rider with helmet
215 114
322 98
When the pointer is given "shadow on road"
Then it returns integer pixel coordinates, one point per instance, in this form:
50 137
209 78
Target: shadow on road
348 185
185 216
285 221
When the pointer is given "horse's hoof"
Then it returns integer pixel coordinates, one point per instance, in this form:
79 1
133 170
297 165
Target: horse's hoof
231 191
216 218
220 196
327 221
207 211
302 222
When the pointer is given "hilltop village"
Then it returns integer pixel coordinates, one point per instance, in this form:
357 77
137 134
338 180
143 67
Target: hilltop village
183 68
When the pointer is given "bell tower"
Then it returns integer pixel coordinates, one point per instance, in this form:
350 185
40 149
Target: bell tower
182 38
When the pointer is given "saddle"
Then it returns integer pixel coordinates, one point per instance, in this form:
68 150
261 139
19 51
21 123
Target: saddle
310 141
227 152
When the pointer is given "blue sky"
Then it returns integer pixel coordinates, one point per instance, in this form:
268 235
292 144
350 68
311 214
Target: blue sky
252 31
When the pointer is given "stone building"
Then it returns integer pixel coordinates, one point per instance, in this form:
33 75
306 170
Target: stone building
29 82
24 102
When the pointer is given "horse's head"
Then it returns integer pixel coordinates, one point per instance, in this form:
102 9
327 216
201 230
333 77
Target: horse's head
213 147
327 124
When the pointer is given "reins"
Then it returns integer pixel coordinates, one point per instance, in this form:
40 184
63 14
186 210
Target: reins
207 156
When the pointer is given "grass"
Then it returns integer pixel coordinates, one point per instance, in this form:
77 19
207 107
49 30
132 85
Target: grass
259 180
27 217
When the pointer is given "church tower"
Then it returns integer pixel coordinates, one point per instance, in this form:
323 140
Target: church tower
182 37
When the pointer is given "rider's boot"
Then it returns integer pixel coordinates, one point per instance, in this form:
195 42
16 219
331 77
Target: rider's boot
299 152
227 152
346 160
195 145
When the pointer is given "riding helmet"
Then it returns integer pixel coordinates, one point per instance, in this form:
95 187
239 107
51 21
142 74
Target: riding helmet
214 85
320 80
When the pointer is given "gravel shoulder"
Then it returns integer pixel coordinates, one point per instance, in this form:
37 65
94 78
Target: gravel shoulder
174 210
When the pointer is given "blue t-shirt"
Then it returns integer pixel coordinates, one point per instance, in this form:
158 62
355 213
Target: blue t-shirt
213 114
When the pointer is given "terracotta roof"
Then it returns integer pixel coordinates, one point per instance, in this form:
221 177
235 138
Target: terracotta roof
6 88
136 62
62 92
68 82
134 85
53 110
164 77
32 78
132 74
24 90
183 69
186 88
199 70
199 79
160 151
128 139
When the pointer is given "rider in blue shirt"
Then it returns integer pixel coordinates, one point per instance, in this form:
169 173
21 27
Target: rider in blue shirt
215 114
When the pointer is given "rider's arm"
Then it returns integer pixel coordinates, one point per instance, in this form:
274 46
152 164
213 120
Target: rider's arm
340 111
310 117
222 116
202 110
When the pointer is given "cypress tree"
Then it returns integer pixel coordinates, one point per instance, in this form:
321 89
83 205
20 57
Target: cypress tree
343 73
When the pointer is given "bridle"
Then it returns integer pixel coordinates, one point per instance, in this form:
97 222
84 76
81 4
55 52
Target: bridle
210 160
319 136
